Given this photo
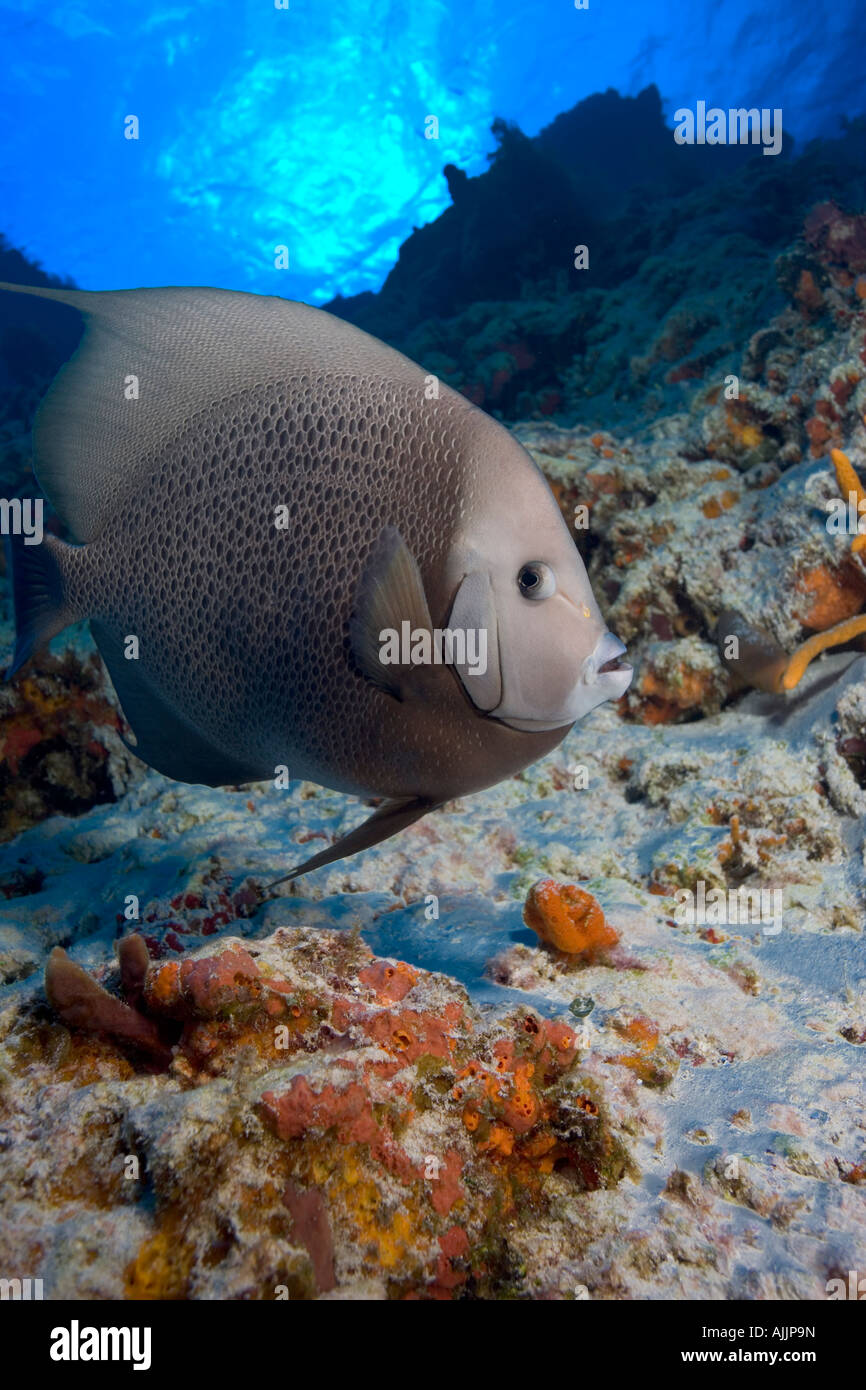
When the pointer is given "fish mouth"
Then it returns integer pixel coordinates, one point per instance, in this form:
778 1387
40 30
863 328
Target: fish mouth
604 667
603 676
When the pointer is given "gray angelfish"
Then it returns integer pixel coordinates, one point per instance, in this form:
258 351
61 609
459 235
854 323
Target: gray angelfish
279 494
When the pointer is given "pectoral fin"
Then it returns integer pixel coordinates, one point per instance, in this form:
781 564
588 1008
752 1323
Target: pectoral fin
385 822
390 593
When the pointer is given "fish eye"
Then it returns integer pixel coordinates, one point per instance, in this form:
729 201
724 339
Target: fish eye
536 580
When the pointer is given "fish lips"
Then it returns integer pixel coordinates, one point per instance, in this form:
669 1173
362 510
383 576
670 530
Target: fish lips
602 677
603 667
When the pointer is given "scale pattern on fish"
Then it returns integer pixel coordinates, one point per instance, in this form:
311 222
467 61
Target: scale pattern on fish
276 491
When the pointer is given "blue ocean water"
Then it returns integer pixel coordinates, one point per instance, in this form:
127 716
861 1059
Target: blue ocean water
304 126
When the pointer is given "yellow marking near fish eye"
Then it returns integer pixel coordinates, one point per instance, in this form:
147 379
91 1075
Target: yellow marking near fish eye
586 612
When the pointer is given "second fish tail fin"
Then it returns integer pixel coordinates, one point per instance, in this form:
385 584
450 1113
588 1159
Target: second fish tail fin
39 593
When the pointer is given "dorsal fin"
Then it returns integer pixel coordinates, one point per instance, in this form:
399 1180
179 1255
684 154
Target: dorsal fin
188 348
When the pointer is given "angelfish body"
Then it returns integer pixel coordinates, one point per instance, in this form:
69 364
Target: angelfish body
275 490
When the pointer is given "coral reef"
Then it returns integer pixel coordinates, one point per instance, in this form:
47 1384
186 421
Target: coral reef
326 1122
732 508
682 242
59 742
763 664
511 1053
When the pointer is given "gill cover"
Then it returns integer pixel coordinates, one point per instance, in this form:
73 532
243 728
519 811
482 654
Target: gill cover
474 608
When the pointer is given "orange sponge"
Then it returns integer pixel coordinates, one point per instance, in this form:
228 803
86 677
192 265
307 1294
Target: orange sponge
568 918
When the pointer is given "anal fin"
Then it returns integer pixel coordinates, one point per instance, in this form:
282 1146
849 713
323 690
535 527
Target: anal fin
390 818
165 740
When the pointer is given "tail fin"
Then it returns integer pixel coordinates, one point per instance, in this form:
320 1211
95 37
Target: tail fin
38 592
